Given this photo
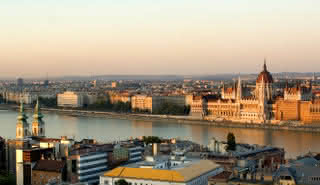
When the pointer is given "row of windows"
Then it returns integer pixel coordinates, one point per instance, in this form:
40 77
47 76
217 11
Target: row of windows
93 166
94 171
315 178
106 182
91 160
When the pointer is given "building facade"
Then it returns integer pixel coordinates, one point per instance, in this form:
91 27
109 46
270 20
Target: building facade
261 105
70 99
194 174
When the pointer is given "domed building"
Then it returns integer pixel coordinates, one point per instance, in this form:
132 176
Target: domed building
264 85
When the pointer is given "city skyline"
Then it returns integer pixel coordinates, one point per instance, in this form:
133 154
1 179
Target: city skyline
147 37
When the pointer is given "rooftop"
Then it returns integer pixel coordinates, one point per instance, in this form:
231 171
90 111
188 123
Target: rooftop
185 174
49 165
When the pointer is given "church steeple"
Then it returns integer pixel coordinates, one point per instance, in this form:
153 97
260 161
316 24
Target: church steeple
22 127
38 124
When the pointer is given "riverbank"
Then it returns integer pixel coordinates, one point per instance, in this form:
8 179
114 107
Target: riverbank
174 119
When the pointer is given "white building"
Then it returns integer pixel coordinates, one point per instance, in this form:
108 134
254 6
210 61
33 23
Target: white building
193 173
70 99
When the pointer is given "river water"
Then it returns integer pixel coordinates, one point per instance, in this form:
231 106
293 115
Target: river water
106 130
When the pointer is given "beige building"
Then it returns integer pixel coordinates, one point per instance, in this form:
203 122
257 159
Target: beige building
70 99
114 84
141 102
236 104
119 97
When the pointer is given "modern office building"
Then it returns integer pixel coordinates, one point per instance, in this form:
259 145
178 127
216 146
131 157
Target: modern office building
86 167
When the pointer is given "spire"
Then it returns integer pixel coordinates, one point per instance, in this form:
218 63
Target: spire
37 114
265 65
239 89
22 115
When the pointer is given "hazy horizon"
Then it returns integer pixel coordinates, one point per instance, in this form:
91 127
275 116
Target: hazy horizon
177 37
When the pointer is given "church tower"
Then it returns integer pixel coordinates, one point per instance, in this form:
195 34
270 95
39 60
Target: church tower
22 127
38 124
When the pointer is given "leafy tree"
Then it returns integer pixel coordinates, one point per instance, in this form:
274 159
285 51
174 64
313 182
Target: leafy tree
151 139
48 102
231 142
171 108
6 179
121 182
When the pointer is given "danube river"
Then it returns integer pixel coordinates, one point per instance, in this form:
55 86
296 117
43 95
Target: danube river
106 130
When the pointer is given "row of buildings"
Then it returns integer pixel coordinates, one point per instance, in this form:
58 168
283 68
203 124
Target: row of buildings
38 160
142 102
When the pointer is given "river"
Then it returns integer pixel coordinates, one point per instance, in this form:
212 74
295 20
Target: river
106 130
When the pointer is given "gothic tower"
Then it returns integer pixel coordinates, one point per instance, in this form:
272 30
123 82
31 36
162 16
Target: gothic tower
239 89
38 124
22 127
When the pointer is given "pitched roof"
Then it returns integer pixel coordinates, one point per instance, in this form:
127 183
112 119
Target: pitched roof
49 165
179 175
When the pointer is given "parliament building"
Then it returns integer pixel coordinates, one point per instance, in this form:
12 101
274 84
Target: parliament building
260 105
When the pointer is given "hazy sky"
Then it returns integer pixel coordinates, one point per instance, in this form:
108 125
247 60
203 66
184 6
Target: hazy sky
92 37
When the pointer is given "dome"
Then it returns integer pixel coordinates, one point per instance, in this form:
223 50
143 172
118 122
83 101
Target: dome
265 75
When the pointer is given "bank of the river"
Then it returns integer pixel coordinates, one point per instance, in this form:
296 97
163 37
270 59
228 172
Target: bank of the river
174 119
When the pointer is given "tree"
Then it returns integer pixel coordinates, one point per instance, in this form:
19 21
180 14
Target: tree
151 139
170 108
6 179
121 182
231 142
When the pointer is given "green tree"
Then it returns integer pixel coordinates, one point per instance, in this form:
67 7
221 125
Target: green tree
172 109
151 139
48 102
121 182
6 179
231 142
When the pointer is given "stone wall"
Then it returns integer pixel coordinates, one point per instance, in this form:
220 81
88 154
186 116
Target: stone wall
43 177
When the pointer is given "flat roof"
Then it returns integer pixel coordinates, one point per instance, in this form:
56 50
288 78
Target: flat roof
189 172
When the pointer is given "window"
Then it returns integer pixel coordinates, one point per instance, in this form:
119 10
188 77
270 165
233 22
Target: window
106 182
74 166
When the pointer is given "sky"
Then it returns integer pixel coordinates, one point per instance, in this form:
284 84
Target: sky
183 37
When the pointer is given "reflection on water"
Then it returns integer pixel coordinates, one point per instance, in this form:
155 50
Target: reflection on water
106 130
